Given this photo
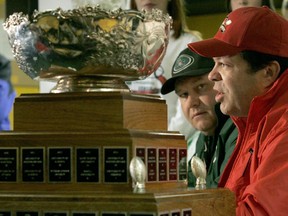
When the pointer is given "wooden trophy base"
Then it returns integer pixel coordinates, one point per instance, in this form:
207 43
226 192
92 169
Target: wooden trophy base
89 161
89 112
172 202
69 155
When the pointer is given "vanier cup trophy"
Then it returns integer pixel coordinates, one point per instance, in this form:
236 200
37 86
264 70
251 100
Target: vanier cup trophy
91 146
92 49
89 48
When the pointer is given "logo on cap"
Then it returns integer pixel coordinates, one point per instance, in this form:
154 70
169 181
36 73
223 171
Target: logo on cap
224 24
182 63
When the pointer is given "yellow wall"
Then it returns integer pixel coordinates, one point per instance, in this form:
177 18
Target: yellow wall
207 25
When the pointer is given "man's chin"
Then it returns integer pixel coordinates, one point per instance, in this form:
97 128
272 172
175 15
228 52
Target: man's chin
223 109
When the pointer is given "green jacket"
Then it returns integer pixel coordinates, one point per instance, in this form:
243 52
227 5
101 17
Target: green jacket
215 150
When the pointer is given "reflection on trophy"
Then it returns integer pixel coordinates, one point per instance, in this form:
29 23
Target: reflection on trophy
89 48
199 170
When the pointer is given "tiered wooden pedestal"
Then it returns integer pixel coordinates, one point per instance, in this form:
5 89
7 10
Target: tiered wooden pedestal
69 155
89 111
162 202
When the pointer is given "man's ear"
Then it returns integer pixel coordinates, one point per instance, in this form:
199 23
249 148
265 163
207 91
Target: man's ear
271 73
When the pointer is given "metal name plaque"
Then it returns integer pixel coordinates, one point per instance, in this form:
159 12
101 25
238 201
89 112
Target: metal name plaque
115 165
163 214
88 165
141 152
27 213
182 164
172 169
55 214
32 164
5 213
8 164
113 214
59 160
151 164
187 212
83 214
142 214
162 164
175 213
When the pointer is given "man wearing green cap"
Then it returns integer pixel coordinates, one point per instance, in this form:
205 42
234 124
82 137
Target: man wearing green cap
197 97
250 51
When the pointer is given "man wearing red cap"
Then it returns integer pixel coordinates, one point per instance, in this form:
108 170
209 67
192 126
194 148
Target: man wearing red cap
250 51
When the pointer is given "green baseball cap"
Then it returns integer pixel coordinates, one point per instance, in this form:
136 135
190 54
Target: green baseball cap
187 64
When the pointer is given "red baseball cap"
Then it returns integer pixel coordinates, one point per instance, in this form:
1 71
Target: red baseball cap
249 28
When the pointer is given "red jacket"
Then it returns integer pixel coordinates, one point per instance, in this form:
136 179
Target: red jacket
257 171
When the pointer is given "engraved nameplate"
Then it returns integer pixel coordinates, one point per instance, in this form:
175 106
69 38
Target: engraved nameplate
151 164
113 214
162 164
187 212
140 152
88 164
32 164
55 214
163 214
8 164
142 214
5 213
26 213
83 214
172 170
115 165
175 213
182 165
59 164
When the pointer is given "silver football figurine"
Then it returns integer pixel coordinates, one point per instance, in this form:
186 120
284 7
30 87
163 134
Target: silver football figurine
199 170
138 174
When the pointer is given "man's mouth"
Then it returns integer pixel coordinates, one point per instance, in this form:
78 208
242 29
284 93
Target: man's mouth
219 97
195 115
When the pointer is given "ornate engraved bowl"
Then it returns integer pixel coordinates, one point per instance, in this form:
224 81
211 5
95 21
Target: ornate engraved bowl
89 48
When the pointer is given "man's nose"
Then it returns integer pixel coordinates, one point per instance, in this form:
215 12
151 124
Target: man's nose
214 75
193 100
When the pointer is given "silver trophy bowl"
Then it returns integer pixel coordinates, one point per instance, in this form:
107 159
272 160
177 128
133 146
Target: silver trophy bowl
89 48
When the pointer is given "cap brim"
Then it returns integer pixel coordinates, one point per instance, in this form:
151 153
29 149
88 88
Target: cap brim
213 48
168 86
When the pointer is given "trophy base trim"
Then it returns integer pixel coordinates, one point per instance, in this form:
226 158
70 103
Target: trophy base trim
90 84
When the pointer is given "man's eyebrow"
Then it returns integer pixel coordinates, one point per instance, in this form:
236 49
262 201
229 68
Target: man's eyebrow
196 81
216 58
